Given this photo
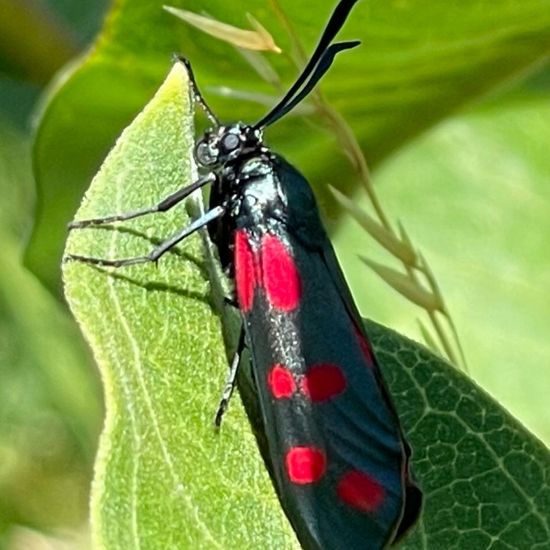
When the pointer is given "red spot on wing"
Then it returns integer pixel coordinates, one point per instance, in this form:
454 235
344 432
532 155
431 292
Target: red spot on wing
280 275
245 272
281 382
323 381
365 346
360 491
305 464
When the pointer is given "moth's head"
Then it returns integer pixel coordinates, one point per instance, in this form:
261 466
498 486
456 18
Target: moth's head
224 143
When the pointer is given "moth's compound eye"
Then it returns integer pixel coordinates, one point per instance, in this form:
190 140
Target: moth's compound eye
230 142
205 154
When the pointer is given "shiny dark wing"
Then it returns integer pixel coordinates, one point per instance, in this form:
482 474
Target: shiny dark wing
333 440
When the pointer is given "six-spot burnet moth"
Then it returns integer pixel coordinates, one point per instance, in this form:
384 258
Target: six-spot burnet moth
335 450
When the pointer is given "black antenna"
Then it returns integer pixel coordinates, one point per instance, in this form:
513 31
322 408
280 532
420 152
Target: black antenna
197 96
322 67
335 23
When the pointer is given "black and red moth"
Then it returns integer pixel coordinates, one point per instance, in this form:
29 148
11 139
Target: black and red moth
334 446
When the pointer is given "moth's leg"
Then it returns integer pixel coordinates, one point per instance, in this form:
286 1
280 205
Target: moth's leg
158 251
230 381
162 206
231 301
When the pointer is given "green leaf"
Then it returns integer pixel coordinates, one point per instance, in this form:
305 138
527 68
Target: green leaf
164 477
419 63
486 480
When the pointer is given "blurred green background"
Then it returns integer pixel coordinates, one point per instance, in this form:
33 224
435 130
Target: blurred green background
50 396
450 105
